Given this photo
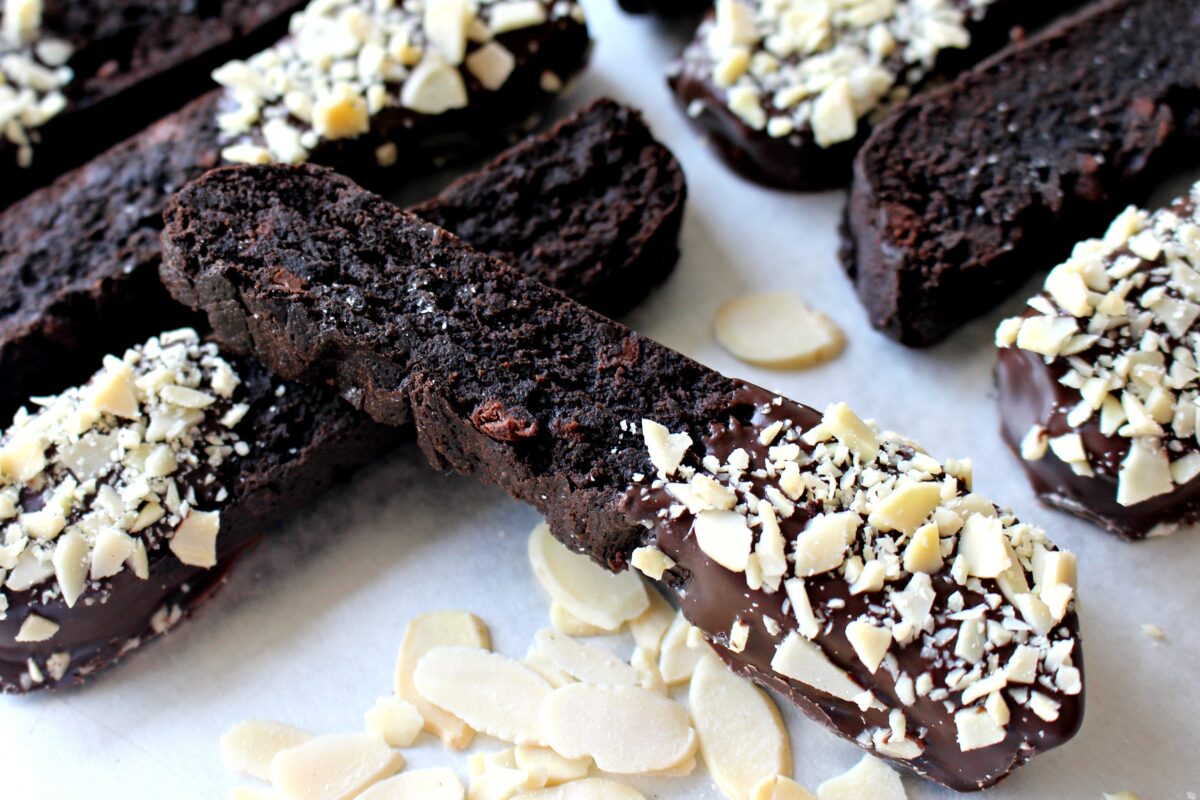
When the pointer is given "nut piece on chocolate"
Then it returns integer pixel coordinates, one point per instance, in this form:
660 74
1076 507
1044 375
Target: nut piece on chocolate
840 565
361 85
124 501
1098 380
965 192
78 77
788 90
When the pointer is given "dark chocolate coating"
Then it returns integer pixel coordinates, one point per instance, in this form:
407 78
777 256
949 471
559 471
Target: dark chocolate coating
504 379
713 597
966 191
1030 394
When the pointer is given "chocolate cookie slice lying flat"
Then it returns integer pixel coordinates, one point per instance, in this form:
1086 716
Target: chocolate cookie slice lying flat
1099 384
789 91
842 566
964 193
79 76
592 207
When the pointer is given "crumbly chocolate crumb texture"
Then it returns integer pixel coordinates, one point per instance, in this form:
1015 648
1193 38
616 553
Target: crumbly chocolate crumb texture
858 575
609 203
788 90
80 76
592 207
1099 379
361 83
964 192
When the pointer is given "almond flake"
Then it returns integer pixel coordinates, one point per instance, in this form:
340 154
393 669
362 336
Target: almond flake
585 662
780 787
556 768
724 537
424 633
195 540
583 588
433 783
250 746
869 778
36 629
906 508
396 720
870 643
666 449
742 736
821 546
651 625
624 729
489 692
588 789
677 661
566 622
804 661
334 767
777 331
851 431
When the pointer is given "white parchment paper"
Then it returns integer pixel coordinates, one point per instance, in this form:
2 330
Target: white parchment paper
307 629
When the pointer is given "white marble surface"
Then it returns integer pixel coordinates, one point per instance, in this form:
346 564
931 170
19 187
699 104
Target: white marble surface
307 628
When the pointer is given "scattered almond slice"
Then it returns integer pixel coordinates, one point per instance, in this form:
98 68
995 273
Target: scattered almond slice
249 746
434 783
537 661
870 777
585 662
651 625
334 767
680 770
742 736
649 677
496 776
624 729
777 330
779 787
423 633
558 769
396 720
677 660
585 589
491 693
566 622
588 789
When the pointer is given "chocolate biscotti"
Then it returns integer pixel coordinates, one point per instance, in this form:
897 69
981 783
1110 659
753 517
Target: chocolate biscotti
1098 382
965 192
787 91
374 88
80 76
592 208
843 566
81 256
125 501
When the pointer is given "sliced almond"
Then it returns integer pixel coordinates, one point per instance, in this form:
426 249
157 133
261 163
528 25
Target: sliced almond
851 431
113 390
250 746
624 729
651 562
434 87
976 729
666 449
677 661
36 629
496 776
649 627
537 661
585 589
646 665
924 551
585 662
985 546
742 736
195 540
821 546
491 65
491 693
334 767
870 643
725 537
869 778
424 633
566 622
434 783
397 720
780 787
804 661
588 789
777 330
557 768
907 507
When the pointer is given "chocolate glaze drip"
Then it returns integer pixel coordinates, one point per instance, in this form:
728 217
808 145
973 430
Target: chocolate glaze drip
1030 394
713 598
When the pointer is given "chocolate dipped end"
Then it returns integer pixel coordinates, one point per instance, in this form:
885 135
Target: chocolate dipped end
718 601
301 441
